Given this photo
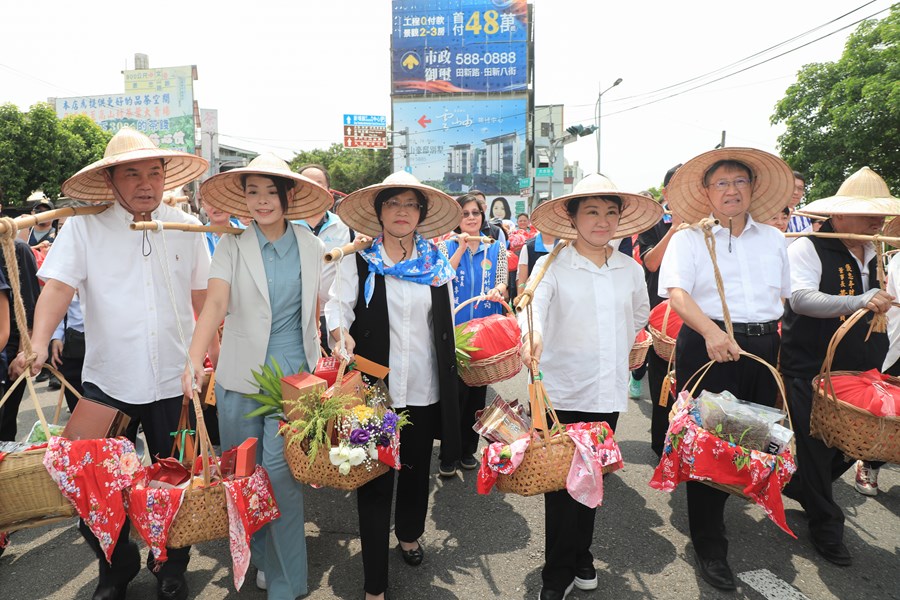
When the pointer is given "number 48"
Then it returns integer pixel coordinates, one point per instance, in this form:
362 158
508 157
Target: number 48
490 22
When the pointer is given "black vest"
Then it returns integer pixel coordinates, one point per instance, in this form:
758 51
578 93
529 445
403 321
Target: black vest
372 333
533 255
805 339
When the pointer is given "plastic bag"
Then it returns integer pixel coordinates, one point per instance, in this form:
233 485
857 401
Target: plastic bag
743 423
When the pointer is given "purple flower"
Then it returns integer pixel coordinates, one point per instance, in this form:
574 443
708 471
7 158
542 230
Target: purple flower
389 422
358 437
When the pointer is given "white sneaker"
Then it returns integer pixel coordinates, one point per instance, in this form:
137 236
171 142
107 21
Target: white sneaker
866 479
261 580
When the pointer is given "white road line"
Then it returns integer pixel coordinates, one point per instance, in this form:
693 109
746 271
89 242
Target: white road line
770 586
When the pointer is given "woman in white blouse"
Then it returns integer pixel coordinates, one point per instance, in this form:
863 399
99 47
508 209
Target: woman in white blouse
391 303
587 310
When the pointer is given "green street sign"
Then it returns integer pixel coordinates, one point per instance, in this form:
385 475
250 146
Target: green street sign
524 182
543 172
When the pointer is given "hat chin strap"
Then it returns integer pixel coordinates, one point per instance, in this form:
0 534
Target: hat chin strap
597 247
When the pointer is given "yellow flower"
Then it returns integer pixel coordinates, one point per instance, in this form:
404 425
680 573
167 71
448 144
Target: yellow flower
363 413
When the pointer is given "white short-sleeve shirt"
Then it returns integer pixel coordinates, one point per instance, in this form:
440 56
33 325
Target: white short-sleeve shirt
754 268
133 350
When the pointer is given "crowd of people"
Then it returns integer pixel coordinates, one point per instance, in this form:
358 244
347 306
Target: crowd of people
133 321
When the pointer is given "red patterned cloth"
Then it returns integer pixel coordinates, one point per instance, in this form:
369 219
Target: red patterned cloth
251 504
92 474
152 511
693 454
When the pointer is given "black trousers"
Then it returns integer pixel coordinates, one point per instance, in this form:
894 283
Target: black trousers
71 368
158 419
569 525
747 380
373 500
9 412
818 466
659 419
471 400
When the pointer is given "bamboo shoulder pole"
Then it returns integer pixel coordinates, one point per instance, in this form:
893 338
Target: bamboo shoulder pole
846 236
154 225
363 242
26 221
524 298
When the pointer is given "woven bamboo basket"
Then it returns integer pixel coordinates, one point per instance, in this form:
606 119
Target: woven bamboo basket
322 473
638 353
663 345
737 490
495 369
544 468
28 495
203 515
856 432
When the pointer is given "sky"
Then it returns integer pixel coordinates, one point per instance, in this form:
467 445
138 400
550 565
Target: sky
282 74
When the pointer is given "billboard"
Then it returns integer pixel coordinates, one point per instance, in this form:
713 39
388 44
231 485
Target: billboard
176 85
457 144
457 46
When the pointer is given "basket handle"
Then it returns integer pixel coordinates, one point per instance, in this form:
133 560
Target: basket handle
26 375
207 452
456 310
665 322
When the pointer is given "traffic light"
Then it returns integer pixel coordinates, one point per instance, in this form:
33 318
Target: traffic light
581 130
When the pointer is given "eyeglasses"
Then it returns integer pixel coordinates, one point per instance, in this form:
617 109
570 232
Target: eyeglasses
471 214
740 183
396 205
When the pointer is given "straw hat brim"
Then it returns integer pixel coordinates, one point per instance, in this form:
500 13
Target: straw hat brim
225 192
89 185
892 229
853 205
357 210
773 184
639 214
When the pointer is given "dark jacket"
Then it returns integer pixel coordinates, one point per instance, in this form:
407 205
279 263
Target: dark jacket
372 333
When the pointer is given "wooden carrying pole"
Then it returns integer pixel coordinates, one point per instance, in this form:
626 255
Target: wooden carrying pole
154 225
847 236
363 242
26 221
524 298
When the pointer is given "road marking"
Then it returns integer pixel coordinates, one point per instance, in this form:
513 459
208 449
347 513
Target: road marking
770 586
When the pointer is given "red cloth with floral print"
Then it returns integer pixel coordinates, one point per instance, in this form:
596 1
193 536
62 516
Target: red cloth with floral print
693 454
152 511
251 504
92 474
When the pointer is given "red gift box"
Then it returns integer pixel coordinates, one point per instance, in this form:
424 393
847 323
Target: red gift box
327 368
169 470
295 387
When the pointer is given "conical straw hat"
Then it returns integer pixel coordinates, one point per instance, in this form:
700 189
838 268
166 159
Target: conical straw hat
863 193
773 184
130 145
639 213
225 191
358 209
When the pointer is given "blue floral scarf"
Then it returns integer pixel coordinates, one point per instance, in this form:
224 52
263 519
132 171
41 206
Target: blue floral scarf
429 267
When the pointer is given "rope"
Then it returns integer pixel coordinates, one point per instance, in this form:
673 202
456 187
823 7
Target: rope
706 226
879 321
8 240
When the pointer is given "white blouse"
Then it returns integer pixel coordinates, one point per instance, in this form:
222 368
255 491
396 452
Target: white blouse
413 378
588 317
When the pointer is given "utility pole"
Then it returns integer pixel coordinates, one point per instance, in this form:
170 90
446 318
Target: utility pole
597 120
405 147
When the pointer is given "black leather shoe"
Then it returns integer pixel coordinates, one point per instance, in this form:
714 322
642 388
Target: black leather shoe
110 592
549 594
716 572
172 588
128 568
834 552
412 557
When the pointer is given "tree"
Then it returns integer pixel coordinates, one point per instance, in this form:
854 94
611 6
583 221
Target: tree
40 151
349 168
844 115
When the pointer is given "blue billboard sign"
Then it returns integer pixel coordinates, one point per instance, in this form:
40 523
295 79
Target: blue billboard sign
459 144
457 46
